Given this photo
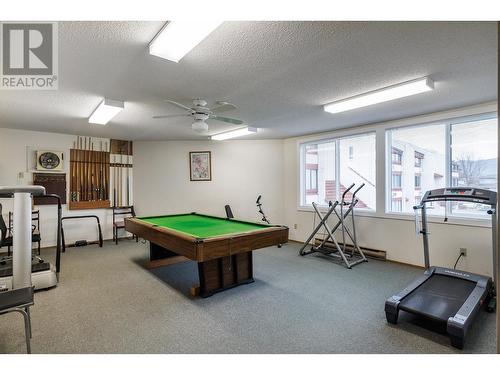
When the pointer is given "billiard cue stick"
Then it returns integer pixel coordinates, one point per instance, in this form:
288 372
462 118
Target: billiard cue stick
115 181
111 180
120 180
93 174
107 175
75 178
85 170
101 176
127 166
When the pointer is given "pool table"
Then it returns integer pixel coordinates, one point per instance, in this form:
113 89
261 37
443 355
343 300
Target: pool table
221 247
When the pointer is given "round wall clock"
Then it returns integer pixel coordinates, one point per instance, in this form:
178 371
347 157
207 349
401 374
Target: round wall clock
49 160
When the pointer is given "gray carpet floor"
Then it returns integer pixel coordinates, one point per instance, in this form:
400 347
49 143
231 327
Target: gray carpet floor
107 302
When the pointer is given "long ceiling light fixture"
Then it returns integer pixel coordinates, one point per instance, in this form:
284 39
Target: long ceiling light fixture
177 38
234 133
385 94
105 111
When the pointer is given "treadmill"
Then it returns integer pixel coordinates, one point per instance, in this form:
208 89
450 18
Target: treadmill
445 295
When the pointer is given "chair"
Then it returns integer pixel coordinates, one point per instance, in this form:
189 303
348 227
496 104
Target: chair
19 300
35 229
121 213
229 212
35 232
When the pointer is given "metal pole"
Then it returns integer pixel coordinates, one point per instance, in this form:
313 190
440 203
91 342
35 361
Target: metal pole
494 235
425 237
21 257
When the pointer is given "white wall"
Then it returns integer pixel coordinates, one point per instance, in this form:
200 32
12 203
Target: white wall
241 170
394 233
13 145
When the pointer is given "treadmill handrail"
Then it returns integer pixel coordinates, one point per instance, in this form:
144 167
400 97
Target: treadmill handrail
59 229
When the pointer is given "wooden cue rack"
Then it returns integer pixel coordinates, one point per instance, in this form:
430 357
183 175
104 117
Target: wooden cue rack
89 176
121 180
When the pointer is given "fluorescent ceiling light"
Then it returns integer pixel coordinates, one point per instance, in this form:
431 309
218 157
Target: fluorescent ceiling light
177 38
106 111
382 95
234 133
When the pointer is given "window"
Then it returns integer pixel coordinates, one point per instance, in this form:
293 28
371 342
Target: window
418 181
469 158
474 161
318 172
360 169
397 156
397 205
427 142
418 159
396 180
311 180
328 167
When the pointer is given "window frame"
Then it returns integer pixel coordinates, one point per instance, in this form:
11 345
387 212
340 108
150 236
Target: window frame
447 123
456 115
302 168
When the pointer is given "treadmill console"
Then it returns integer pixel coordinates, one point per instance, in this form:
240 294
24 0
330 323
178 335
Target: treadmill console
463 194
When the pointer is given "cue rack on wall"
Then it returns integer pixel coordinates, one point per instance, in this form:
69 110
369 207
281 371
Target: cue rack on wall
121 173
100 176
89 175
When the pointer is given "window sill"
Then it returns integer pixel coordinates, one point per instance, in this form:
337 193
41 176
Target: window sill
433 219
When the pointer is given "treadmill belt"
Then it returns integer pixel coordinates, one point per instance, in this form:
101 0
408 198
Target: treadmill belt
439 298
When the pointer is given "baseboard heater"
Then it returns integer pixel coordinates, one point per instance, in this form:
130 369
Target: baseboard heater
370 253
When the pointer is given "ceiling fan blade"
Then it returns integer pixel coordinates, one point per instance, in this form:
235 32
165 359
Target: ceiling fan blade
227 119
223 106
179 105
168 116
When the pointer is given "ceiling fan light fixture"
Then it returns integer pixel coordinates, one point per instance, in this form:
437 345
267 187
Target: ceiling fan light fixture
105 111
234 133
177 38
200 126
385 94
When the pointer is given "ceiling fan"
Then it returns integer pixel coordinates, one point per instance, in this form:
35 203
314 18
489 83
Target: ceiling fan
200 113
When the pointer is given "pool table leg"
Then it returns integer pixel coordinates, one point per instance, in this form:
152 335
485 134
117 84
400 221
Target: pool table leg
224 273
158 252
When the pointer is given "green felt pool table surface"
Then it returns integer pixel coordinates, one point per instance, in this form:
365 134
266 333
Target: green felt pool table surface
203 226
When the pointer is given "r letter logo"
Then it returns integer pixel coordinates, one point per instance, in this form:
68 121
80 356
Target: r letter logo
28 56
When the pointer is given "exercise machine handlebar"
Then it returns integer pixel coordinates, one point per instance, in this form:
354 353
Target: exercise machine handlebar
59 229
82 217
346 191
358 189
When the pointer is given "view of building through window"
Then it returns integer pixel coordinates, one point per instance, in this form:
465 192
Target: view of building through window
323 181
474 160
357 165
319 172
417 164
419 157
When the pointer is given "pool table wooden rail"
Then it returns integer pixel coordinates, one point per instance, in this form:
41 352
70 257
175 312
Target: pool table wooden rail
203 249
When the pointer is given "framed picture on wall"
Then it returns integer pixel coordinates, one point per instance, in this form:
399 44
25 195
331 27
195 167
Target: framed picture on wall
200 166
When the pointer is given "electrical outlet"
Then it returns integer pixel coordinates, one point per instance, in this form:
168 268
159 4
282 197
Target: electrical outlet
463 251
295 226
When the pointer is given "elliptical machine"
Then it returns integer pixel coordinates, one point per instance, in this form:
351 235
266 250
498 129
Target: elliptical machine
356 255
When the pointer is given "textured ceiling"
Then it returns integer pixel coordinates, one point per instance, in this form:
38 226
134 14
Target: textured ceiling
277 73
